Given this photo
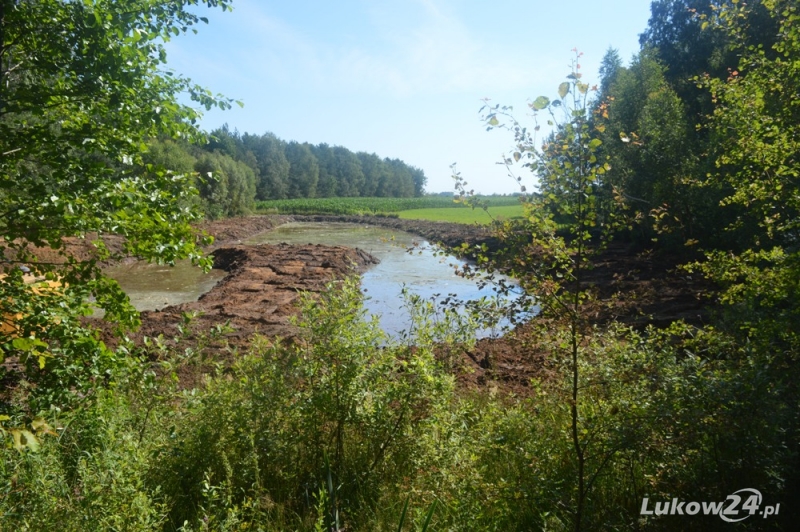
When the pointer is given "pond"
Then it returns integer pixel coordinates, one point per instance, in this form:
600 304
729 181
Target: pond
422 271
155 286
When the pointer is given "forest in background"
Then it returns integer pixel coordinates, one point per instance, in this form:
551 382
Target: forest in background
688 155
234 171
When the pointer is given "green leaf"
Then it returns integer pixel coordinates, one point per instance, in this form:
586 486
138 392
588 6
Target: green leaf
563 89
595 143
540 103
27 344
24 439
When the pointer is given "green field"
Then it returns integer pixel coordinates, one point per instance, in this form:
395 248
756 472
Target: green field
464 215
435 208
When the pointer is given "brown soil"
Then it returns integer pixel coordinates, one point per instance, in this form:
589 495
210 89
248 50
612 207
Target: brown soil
261 292
633 288
227 231
262 288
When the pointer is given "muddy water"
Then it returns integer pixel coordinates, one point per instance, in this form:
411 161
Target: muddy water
155 286
421 271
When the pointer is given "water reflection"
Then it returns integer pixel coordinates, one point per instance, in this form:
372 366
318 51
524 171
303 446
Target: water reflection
421 271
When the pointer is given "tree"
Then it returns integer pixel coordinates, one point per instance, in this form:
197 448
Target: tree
647 137
82 88
374 172
303 170
347 169
419 179
273 167
168 153
326 185
227 186
687 47
757 134
231 144
550 252
610 66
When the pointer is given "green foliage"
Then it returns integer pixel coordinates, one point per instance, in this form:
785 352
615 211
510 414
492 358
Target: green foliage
336 405
227 186
346 206
562 229
82 89
303 171
648 140
273 167
90 477
345 426
757 163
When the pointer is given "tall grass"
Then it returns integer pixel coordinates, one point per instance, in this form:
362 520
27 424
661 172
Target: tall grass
343 430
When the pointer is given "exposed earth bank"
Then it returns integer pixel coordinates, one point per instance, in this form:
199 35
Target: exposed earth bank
262 288
261 292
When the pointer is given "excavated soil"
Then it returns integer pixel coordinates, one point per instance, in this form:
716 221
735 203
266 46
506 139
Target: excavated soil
260 294
262 288
261 291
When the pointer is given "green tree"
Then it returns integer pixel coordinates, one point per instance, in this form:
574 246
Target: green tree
550 253
610 66
757 134
231 143
273 167
419 179
303 170
347 169
227 186
648 138
326 185
375 172
400 182
82 88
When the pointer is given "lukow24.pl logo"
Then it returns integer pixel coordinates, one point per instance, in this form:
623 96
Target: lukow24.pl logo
736 507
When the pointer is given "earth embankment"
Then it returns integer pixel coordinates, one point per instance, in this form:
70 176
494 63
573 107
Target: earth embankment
261 291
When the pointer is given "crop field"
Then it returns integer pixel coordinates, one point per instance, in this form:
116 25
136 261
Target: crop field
464 215
425 208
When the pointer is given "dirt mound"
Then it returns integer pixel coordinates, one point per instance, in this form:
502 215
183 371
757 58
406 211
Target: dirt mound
261 290
234 230
225 232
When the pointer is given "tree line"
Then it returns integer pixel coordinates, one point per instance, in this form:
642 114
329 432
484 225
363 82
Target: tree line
655 118
235 170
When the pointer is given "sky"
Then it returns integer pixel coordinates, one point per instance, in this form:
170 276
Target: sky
400 78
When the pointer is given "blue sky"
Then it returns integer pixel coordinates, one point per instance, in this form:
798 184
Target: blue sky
400 78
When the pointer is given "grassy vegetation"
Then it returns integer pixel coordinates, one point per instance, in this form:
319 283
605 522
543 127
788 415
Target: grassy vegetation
346 429
373 206
464 215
